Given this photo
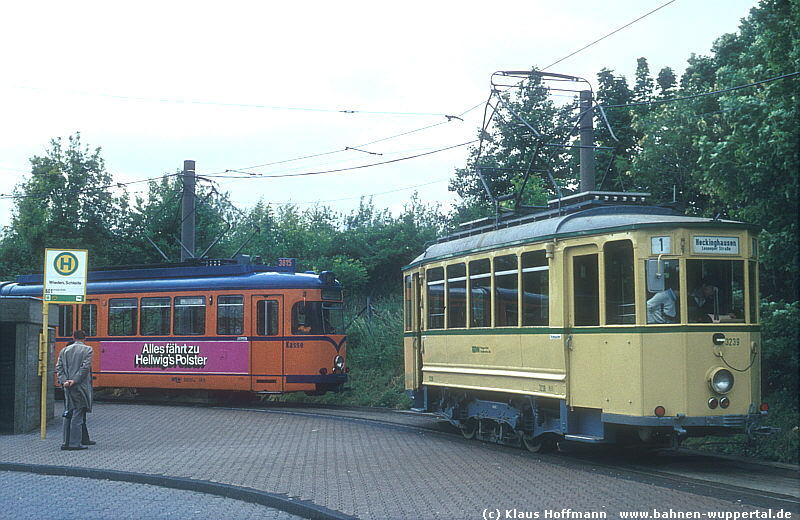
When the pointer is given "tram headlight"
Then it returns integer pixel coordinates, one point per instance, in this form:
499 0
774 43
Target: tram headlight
721 381
338 362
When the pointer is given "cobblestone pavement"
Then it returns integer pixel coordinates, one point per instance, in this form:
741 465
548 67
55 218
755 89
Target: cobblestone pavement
30 496
358 468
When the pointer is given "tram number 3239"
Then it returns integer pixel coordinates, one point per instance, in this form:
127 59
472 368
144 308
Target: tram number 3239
294 344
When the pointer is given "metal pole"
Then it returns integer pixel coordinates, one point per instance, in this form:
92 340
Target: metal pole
587 142
187 205
43 369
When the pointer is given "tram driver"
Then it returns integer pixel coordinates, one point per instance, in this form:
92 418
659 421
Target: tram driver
704 304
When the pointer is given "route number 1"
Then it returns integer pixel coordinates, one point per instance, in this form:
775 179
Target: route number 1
660 246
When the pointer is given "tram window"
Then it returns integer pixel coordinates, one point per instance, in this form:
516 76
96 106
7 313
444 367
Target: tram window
716 290
190 315
89 319
230 314
586 298
65 321
435 283
480 286
753 267
155 316
506 291
535 289
267 317
333 318
408 301
620 293
317 318
663 297
456 296
122 316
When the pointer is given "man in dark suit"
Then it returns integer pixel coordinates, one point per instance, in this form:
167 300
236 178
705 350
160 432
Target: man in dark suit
74 369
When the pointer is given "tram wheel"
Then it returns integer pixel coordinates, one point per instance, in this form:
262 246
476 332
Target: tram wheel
469 429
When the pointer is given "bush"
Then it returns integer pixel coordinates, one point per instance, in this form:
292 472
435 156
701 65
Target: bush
780 326
780 323
375 359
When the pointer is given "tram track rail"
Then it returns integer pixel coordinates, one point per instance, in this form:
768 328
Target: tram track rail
737 479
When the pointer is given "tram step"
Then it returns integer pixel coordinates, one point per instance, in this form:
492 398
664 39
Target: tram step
585 438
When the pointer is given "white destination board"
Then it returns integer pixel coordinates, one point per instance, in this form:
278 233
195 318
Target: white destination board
708 245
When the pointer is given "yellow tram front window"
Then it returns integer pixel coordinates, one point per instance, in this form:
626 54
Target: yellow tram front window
753 268
505 291
535 289
663 291
716 291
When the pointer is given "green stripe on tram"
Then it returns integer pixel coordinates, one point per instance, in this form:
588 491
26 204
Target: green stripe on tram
585 330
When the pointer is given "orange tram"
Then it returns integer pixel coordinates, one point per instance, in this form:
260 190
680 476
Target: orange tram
228 326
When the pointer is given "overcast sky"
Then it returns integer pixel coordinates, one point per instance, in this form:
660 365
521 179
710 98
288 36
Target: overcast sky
247 83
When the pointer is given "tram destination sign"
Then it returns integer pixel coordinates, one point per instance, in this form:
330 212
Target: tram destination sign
707 245
65 272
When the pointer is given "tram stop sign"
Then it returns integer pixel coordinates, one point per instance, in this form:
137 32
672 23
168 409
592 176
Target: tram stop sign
65 272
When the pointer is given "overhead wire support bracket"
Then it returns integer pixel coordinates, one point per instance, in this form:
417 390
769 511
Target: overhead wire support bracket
362 151
498 87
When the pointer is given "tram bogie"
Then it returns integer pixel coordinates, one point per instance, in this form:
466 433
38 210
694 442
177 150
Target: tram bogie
598 321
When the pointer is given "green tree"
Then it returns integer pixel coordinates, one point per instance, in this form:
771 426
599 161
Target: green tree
749 158
644 86
614 164
66 202
156 220
666 81
509 147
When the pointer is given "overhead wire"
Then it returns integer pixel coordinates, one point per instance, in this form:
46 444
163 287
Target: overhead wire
240 105
338 170
356 197
347 111
84 190
450 118
244 175
607 35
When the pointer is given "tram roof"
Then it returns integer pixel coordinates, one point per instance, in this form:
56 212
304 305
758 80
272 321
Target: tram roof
182 278
591 221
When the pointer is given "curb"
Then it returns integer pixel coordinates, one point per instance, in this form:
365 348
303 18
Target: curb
302 508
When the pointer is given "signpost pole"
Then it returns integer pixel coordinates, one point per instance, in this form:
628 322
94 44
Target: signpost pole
65 273
43 363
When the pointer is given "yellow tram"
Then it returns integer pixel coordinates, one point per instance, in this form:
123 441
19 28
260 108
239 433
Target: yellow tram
601 319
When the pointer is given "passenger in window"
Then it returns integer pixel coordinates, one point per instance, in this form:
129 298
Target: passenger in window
704 303
663 307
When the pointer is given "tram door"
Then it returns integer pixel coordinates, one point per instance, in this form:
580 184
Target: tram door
266 344
583 345
412 340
